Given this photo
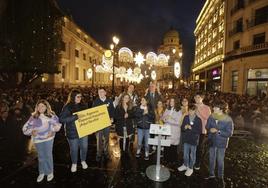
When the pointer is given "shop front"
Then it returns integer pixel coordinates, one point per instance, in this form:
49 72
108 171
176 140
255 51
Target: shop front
257 82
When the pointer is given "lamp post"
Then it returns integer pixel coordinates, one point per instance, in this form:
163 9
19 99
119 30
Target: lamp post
173 77
113 48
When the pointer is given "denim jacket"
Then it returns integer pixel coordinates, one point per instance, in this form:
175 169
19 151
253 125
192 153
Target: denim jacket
225 127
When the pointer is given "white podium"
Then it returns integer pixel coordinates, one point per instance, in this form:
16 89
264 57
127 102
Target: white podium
158 172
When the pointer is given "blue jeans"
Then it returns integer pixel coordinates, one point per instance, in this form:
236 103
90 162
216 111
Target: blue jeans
78 143
45 158
189 151
216 154
143 134
103 141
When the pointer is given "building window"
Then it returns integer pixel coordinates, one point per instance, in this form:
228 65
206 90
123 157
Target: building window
210 24
76 53
234 80
63 72
84 56
239 25
257 82
215 17
63 46
220 44
222 9
221 26
84 74
214 33
76 73
236 45
214 48
261 15
259 38
209 52
209 37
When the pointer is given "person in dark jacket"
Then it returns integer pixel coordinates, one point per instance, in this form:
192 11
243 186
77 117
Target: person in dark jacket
220 128
124 127
68 118
102 136
145 116
191 128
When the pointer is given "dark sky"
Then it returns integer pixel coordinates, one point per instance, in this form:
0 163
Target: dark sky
139 24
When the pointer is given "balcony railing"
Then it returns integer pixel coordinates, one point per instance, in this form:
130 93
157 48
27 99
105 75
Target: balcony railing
247 49
254 47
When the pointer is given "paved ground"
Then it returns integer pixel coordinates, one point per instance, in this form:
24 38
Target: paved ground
246 165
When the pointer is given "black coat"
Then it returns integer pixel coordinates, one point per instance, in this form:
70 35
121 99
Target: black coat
108 102
144 121
121 122
68 119
191 136
153 100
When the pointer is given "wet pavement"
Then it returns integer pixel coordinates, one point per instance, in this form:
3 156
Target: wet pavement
246 165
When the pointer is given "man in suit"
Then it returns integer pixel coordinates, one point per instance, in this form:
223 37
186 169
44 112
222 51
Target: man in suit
153 95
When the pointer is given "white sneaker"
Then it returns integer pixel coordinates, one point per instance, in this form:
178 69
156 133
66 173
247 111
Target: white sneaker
189 172
74 168
84 165
182 168
50 177
40 178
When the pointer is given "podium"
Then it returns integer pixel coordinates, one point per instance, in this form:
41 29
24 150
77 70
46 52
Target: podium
158 172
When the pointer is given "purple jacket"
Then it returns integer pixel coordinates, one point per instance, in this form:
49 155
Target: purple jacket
46 127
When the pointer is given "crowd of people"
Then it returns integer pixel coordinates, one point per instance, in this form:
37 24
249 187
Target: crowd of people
194 118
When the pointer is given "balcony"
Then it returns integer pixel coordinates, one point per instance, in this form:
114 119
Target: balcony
247 49
237 29
237 7
254 47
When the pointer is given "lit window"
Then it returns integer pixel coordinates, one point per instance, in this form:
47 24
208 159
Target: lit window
222 9
210 24
214 33
215 17
214 48
221 26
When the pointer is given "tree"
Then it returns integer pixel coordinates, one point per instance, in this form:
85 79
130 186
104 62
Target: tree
30 41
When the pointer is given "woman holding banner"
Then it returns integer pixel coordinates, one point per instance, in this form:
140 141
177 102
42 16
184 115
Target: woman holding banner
124 114
68 118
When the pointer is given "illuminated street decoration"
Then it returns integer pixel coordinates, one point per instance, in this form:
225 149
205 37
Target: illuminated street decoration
151 58
125 55
139 59
177 69
153 75
137 70
89 73
129 72
162 60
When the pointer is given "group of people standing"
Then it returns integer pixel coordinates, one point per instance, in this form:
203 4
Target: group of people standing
189 123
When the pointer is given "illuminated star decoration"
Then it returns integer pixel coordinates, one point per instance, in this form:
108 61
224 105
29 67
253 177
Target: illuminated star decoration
139 59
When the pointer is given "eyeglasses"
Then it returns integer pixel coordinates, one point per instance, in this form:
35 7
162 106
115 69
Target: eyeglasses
79 96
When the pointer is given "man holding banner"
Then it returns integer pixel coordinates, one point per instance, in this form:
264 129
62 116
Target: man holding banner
102 136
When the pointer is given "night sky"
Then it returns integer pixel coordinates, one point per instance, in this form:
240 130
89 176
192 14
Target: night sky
139 24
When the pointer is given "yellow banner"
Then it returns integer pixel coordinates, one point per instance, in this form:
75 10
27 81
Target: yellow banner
92 120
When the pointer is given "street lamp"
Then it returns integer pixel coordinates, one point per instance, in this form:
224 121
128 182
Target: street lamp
113 48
